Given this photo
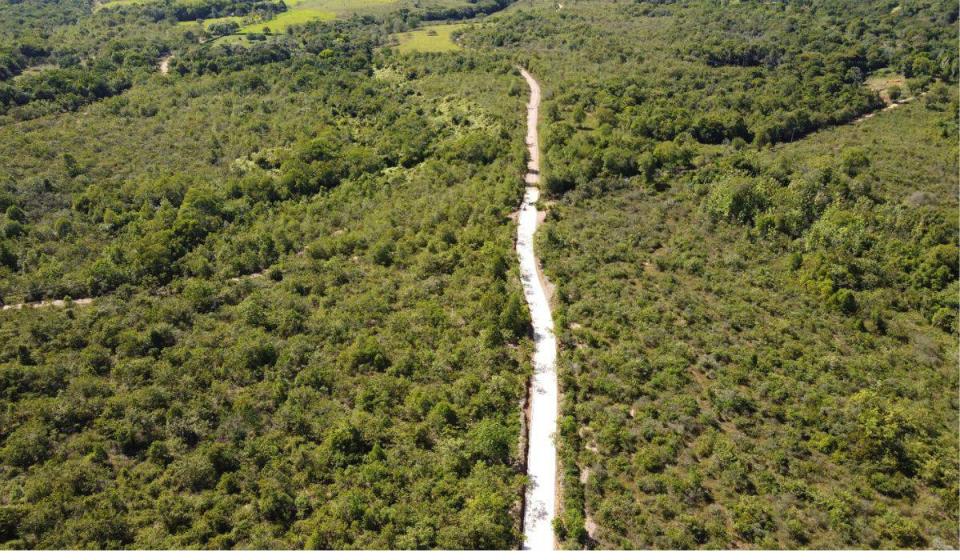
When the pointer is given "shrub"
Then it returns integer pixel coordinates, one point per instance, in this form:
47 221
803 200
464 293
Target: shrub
194 472
751 519
27 445
737 199
853 161
489 441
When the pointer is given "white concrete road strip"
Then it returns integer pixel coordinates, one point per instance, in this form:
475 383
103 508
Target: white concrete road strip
541 495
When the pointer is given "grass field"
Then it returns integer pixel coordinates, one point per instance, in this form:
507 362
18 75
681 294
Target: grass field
434 38
344 7
302 11
293 16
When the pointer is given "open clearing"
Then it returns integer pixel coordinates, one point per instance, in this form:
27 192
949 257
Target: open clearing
434 38
881 82
303 11
344 7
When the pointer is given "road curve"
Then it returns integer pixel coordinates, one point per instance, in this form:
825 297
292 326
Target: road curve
541 495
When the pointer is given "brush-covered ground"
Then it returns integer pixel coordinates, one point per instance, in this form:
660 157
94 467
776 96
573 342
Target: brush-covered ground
756 294
308 329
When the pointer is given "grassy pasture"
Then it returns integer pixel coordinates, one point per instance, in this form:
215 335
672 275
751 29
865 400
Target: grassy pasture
434 38
344 8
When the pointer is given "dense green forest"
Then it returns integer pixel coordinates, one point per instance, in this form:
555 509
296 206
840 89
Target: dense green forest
308 328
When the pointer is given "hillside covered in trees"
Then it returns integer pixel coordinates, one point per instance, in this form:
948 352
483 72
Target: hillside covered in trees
307 328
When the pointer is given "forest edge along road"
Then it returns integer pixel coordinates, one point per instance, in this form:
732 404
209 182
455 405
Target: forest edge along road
540 498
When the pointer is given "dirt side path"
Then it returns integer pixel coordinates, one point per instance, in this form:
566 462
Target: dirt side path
47 303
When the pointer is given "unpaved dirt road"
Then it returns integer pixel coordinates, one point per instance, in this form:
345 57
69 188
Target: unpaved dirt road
889 107
541 495
46 303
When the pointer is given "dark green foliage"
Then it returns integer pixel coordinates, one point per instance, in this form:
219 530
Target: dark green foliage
737 199
27 445
190 10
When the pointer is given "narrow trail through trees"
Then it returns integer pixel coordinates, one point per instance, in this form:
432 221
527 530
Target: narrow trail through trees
39 304
541 493
47 303
889 107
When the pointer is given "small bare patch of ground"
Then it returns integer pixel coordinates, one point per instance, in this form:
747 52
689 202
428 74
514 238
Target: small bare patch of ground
920 198
588 522
246 277
590 525
587 437
165 64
